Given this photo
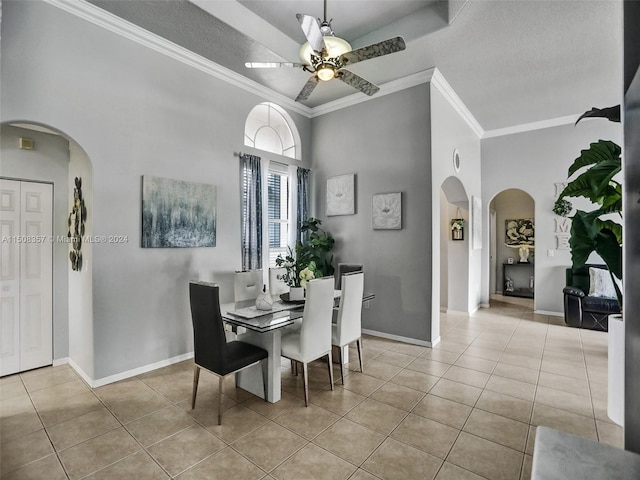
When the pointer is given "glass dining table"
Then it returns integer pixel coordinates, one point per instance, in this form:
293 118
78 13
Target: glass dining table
264 329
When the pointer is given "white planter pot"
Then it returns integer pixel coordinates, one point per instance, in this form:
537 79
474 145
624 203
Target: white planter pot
296 293
615 389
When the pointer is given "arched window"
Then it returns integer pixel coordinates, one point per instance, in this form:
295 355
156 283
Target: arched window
270 128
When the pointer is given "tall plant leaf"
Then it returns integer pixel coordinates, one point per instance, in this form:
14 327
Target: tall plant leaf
610 113
582 239
599 151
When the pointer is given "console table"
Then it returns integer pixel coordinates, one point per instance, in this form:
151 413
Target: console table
520 273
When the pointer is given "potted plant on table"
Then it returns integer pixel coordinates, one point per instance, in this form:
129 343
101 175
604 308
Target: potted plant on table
296 275
312 258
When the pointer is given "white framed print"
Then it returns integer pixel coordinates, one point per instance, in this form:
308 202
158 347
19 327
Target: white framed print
341 195
386 212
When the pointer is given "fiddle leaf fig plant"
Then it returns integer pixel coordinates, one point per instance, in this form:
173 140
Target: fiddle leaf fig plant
597 168
317 247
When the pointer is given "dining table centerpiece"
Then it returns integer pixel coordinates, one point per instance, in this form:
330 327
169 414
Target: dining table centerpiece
312 258
296 274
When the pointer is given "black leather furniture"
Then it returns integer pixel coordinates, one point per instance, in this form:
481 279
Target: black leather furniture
211 350
582 310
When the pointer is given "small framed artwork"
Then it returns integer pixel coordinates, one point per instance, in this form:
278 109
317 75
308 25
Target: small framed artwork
386 211
341 195
457 229
519 232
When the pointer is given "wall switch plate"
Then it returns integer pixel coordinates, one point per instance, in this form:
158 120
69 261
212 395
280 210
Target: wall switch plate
551 253
366 304
26 143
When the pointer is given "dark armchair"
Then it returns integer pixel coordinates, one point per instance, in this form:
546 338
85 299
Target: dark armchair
211 349
582 310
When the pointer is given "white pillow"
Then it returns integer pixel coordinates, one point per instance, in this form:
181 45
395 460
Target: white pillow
600 283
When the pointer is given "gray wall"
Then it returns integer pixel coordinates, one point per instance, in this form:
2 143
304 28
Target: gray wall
533 161
134 112
48 162
631 166
386 143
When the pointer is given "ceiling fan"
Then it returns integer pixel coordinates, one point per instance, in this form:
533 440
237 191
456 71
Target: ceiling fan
325 56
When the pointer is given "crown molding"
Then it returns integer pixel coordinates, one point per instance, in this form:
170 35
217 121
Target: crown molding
119 26
123 28
454 100
385 89
528 127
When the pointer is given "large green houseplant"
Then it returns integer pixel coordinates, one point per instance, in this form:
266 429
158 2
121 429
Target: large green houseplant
595 230
313 256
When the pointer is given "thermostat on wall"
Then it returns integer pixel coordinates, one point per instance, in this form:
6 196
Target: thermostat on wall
456 161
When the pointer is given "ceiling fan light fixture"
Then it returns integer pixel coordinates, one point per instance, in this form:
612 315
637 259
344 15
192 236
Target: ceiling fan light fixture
336 46
326 73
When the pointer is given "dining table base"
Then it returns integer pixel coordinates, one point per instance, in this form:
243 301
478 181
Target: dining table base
250 379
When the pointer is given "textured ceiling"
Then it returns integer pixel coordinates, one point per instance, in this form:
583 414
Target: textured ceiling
511 62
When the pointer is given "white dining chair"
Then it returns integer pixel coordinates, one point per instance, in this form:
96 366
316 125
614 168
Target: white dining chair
247 285
276 285
347 327
313 341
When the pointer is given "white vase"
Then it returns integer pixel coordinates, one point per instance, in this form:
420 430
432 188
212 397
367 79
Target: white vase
615 389
264 300
296 293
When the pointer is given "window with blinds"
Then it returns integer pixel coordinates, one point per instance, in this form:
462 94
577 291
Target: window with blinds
278 210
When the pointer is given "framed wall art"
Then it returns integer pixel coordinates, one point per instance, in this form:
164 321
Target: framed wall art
519 232
341 195
177 213
386 211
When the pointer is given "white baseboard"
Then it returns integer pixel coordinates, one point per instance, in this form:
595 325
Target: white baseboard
546 312
82 373
457 312
443 309
60 361
129 373
485 305
413 341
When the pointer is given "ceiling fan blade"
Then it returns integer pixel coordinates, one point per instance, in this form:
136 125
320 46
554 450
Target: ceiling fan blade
357 82
307 89
379 49
272 64
311 31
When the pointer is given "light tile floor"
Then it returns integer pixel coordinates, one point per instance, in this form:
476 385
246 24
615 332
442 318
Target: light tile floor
466 409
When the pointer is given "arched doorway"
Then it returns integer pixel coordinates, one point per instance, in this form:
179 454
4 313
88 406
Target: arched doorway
512 244
54 158
454 247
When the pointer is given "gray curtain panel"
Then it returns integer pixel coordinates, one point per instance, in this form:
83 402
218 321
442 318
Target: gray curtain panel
251 221
303 200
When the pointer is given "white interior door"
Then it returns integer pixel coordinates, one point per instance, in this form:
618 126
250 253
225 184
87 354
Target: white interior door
26 326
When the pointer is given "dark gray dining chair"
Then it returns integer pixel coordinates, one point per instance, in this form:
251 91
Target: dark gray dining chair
346 268
211 350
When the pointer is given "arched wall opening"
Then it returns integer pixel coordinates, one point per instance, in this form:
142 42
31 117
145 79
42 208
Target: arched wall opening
58 159
510 212
454 251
